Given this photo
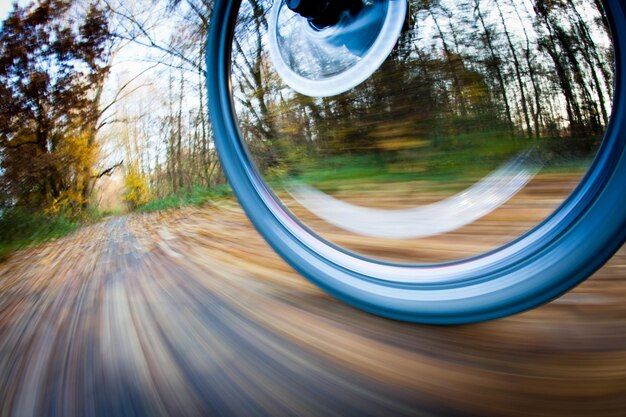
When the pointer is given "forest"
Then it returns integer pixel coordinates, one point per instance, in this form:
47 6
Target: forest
103 103
468 84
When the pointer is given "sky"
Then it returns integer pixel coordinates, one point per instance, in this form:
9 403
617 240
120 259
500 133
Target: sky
5 7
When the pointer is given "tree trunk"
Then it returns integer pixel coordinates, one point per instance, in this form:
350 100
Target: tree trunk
496 64
518 73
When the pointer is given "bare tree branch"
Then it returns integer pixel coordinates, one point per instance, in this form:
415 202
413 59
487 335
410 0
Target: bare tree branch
109 171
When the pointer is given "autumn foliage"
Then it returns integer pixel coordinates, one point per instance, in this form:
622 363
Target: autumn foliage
136 191
53 63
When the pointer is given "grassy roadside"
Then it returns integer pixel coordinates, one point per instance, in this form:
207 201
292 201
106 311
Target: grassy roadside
451 172
344 173
196 196
20 228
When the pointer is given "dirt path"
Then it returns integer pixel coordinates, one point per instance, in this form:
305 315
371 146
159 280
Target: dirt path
191 314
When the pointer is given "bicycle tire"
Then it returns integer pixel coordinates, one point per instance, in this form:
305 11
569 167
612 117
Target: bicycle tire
549 260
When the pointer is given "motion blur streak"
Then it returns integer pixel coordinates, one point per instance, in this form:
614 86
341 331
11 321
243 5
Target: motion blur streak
191 314
429 220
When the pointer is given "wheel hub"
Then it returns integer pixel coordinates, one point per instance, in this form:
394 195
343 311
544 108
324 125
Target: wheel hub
324 48
326 13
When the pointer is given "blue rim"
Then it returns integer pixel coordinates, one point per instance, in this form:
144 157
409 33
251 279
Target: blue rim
576 240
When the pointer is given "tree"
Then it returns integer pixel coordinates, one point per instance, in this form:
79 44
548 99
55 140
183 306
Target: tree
189 157
494 62
52 71
136 191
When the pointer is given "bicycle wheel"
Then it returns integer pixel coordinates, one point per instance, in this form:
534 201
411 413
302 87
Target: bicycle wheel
521 96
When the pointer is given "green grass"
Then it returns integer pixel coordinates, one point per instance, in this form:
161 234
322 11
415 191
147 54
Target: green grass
445 161
20 228
436 168
570 166
196 196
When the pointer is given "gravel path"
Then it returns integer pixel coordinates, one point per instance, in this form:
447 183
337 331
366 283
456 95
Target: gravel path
190 313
